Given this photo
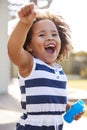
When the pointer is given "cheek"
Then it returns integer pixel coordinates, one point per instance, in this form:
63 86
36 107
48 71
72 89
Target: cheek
59 42
59 46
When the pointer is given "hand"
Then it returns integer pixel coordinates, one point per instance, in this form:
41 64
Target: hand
27 14
78 116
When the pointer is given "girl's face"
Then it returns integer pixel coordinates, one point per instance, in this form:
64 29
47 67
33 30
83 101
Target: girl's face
45 43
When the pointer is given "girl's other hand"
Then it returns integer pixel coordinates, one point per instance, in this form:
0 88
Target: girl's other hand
78 116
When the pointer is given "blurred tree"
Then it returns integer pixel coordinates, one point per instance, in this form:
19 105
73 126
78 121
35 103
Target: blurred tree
45 3
81 57
14 5
79 64
35 1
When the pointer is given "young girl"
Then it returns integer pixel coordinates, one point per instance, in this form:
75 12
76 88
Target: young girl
37 41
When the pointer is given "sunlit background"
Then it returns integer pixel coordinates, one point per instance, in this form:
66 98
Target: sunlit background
74 12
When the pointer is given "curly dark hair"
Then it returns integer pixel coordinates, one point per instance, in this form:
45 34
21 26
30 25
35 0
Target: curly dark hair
63 29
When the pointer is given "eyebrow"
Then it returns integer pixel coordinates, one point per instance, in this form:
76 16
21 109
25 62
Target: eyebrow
42 31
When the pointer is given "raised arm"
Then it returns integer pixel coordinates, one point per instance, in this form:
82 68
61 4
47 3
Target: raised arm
17 54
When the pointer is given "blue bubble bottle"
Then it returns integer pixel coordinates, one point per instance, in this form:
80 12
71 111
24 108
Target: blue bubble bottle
76 108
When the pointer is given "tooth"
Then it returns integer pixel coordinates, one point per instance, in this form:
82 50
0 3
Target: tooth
51 45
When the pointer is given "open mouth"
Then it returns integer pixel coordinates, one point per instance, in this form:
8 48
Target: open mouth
50 48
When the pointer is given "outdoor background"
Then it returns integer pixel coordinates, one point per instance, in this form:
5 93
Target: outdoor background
75 16
74 12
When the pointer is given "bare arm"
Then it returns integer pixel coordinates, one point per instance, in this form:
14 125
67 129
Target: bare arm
17 54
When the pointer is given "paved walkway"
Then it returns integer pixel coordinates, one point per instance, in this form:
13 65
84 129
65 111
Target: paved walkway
10 109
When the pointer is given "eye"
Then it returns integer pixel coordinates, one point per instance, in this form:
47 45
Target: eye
55 34
41 35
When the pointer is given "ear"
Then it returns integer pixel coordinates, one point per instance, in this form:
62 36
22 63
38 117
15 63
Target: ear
29 48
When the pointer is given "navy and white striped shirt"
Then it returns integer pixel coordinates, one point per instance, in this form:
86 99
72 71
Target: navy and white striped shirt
43 92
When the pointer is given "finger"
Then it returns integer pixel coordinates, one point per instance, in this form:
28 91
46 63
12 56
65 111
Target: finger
26 10
77 117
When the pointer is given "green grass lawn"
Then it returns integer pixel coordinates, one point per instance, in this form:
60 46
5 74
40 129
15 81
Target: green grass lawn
79 84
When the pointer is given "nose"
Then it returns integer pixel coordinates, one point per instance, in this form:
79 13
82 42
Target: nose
50 38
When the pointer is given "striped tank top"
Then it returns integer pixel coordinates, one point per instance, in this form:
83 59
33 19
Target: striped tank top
43 97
